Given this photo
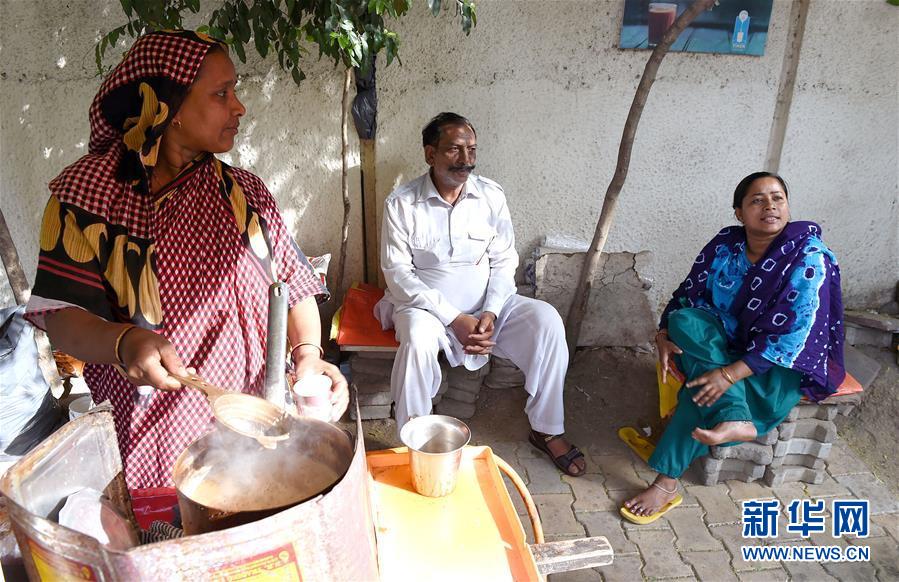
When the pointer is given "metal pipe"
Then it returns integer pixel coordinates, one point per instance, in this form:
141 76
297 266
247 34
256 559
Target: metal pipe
276 345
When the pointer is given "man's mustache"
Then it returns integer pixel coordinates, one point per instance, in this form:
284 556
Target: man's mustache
462 168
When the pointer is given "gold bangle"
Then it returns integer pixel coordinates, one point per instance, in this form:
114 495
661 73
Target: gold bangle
321 351
118 343
727 375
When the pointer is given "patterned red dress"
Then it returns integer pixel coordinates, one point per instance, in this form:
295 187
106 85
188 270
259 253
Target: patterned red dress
192 262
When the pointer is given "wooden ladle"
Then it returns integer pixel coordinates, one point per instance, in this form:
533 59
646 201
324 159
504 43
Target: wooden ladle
244 414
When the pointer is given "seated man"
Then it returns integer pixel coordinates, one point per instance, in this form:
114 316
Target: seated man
448 256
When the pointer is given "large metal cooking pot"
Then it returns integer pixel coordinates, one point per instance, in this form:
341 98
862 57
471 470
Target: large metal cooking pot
224 479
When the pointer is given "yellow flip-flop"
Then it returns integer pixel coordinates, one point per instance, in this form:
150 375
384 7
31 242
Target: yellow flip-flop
636 442
644 519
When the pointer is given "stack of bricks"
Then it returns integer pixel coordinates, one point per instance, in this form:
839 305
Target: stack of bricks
796 450
456 397
370 378
464 385
459 392
503 374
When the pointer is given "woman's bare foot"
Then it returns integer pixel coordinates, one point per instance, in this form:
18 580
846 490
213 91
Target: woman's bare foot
653 497
726 432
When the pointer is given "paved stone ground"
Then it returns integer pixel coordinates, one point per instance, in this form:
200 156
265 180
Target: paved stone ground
701 539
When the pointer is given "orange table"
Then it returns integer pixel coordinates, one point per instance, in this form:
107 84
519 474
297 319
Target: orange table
472 534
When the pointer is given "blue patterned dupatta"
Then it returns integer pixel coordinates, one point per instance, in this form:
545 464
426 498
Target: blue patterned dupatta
789 308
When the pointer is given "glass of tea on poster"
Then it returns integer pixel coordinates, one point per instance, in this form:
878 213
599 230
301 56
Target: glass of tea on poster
660 18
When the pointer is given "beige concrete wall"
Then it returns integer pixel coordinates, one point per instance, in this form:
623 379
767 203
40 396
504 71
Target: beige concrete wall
548 91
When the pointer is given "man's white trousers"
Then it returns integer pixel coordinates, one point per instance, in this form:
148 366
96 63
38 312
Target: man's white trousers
528 332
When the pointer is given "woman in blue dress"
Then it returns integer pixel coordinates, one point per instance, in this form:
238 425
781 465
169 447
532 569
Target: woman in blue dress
755 325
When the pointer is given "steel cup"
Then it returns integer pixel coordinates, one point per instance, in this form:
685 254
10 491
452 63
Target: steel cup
435 445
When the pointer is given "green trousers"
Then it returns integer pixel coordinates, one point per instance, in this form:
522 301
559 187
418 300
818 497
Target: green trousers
765 399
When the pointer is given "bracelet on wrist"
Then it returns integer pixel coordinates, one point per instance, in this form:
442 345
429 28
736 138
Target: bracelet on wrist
117 350
321 351
727 375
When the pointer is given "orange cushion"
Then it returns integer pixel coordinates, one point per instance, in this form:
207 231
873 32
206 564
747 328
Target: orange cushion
358 326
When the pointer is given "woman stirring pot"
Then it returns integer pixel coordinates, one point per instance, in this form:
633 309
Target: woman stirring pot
156 256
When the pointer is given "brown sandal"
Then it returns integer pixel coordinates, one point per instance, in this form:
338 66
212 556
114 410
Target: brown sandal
564 461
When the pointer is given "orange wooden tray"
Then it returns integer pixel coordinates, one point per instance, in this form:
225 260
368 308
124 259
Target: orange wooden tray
472 534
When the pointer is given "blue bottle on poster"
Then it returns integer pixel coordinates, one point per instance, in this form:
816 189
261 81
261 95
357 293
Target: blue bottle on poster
741 31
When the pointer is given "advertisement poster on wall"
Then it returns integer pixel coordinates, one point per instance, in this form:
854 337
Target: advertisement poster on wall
731 27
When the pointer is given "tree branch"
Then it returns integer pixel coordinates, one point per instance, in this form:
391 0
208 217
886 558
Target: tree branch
591 260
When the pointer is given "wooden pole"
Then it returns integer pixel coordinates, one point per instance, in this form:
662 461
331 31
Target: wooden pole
591 260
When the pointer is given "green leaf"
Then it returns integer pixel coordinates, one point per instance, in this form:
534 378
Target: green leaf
238 48
260 39
297 75
434 5
126 6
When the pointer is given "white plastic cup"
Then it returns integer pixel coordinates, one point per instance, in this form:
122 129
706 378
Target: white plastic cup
80 406
313 397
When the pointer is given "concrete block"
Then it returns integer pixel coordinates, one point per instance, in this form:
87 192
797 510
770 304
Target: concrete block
713 471
810 461
371 412
456 409
444 386
867 486
768 439
461 395
854 399
823 431
503 374
461 378
752 452
375 398
858 335
379 355
872 320
372 390
662 558
845 409
372 366
811 410
691 531
792 474
619 312
718 506
862 367
802 447
708 565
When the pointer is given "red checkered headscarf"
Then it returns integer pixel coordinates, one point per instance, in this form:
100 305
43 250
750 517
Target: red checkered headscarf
133 108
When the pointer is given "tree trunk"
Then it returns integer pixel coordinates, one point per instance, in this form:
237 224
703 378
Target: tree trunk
21 290
337 289
591 260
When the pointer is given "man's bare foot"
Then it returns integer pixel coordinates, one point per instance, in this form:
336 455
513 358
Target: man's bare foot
653 498
726 432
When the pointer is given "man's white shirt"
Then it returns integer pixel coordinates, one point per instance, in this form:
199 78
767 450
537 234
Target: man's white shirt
448 259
